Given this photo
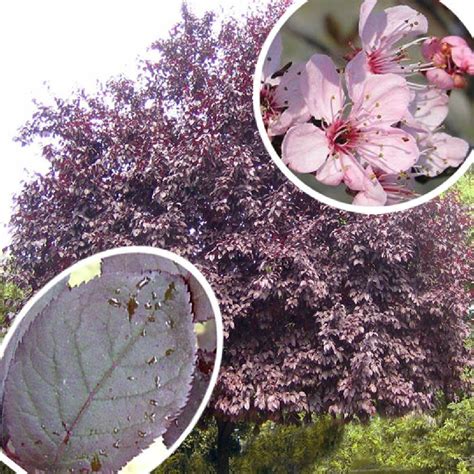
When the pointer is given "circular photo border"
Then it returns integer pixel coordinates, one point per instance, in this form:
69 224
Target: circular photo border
457 9
180 261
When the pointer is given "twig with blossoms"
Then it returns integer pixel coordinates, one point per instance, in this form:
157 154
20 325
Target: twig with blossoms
376 125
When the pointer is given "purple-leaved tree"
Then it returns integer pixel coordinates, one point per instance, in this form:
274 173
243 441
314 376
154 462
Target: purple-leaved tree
324 311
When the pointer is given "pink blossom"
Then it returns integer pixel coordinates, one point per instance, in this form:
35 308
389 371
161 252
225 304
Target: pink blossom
452 59
438 50
428 107
382 189
352 133
380 32
440 151
281 102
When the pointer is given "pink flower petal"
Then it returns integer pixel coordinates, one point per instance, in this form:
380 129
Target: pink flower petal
372 195
444 151
452 149
355 176
272 61
381 100
429 107
288 106
463 57
296 113
404 22
440 79
321 88
289 88
365 11
414 128
305 148
288 96
357 71
383 29
331 173
391 149
370 25
431 47
454 41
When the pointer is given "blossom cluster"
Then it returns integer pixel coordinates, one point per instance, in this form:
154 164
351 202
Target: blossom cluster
377 124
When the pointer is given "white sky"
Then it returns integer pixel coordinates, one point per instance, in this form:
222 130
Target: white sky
73 44
68 45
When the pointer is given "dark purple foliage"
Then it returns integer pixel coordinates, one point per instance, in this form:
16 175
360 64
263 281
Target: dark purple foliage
323 310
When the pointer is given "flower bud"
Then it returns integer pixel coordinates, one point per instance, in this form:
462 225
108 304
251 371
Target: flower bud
459 81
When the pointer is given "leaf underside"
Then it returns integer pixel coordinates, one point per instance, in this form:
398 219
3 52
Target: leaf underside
102 371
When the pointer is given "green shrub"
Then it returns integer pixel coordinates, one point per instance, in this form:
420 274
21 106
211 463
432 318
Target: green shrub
4 469
414 443
9 294
282 449
195 454
465 187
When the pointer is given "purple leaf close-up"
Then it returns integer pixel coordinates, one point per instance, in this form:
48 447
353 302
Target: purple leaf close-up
101 372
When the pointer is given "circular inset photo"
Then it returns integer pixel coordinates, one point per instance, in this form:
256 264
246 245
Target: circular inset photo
368 105
108 368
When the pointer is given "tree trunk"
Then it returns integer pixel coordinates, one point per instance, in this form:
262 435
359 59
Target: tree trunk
224 437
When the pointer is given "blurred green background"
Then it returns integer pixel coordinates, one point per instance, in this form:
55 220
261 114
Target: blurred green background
328 26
